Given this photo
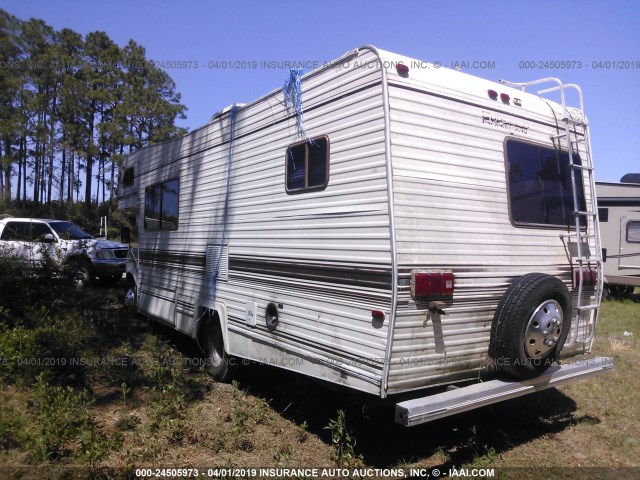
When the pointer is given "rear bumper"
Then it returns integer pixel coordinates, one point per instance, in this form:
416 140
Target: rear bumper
425 409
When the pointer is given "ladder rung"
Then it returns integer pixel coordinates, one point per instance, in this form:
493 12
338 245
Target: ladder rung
581 167
589 307
592 214
577 139
594 262
584 259
574 121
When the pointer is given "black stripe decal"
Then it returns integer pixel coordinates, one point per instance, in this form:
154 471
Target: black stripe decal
618 202
626 255
159 257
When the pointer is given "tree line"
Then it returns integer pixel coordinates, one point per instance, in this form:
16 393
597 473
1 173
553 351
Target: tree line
71 109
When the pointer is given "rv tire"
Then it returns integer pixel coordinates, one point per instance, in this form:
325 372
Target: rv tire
219 362
620 292
530 325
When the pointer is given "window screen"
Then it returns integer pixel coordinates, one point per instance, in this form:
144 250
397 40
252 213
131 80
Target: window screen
539 181
307 165
161 206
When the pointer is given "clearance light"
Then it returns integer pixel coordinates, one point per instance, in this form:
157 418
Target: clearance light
377 315
493 95
431 284
402 69
589 276
505 98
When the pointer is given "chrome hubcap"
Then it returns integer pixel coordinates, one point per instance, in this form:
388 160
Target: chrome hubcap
543 330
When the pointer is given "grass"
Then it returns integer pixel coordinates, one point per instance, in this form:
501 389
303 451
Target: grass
151 407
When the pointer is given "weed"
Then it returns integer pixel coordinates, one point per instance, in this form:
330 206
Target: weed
124 390
219 442
303 434
282 455
13 430
94 445
343 441
62 416
128 423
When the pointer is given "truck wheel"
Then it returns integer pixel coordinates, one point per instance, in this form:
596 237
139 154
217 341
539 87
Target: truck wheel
82 272
219 363
131 293
530 325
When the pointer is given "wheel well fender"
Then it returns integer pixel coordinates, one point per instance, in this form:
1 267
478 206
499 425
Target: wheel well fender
80 258
205 314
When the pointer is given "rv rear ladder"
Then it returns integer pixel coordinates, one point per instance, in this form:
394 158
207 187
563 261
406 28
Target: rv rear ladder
587 230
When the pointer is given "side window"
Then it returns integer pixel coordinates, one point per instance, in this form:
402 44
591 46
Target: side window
16 231
539 185
161 206
38 231
633 232
307 165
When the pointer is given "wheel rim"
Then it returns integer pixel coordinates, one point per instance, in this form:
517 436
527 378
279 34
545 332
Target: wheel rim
81 274
543 329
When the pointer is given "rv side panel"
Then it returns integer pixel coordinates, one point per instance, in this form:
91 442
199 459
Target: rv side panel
322 257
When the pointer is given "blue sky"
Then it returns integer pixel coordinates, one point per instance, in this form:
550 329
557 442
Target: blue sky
602 37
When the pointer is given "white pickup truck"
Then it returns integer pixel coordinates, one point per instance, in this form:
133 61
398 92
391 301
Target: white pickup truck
34 239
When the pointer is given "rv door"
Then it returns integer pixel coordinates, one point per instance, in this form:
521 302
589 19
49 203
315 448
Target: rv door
629 243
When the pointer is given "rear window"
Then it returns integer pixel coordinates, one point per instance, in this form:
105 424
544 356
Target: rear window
16 231
633 232
539 185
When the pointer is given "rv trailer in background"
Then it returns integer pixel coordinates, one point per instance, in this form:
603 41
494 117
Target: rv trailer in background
619 213
382 224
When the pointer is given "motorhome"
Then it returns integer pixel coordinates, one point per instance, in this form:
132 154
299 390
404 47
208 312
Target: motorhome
381 223
619 214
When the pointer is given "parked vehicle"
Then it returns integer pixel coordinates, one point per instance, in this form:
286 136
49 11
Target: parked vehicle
34 239
619 213
382 224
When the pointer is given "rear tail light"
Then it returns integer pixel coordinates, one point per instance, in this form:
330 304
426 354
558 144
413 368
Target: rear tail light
426 284
589 276
402 69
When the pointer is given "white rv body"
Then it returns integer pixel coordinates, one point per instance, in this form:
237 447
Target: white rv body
417 182
619 213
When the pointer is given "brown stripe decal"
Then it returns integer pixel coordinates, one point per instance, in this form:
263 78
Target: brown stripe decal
355 276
